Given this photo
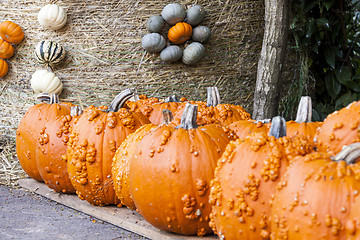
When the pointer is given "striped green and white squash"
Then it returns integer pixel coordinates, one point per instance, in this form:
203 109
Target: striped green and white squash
49 52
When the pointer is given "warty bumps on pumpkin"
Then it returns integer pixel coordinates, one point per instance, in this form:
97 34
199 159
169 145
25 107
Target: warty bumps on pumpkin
245 179
178 163
30 128
93 142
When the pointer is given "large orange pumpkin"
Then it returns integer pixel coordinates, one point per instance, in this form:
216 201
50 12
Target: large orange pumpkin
124 154
6 50
93 141
30 128
11 32
243 128
178 163
52 145
318 198
339 128
245 179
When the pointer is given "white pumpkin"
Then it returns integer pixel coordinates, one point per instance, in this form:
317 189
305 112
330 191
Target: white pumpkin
201 34
49 52
52 17
193 53
195 15
171 53
153 42
155 24
43 81
173 13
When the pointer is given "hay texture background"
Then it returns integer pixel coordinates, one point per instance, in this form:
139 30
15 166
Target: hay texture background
102 39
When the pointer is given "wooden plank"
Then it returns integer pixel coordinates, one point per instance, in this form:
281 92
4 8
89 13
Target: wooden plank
121 217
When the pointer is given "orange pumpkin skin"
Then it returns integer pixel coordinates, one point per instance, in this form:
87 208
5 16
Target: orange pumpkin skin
120 165
224 114
4 68
245 178
142 105
178 165
243 128
6 50
338 129
307 129
180 32
315 200
51 147
29 130
93 141
11 32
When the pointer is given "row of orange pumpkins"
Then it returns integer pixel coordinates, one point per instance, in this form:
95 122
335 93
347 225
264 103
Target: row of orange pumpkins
195 168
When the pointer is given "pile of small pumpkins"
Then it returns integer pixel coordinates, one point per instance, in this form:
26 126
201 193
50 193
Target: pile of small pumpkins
194 167
10 34
184 26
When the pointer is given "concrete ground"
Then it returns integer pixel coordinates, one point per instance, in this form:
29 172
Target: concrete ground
27 216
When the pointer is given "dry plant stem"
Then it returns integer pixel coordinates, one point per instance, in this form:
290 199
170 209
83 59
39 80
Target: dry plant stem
304 112
213 96
188 119
278 127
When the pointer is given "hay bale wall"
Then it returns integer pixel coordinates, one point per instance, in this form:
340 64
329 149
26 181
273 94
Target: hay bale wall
104 54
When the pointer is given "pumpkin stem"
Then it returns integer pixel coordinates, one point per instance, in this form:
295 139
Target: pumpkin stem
45 97
171 98
120 100
188 118
304 112
213 96
267 120
350 154
278 127
75 111
167 116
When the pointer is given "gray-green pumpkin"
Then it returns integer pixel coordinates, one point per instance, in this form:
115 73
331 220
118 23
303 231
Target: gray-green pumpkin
173 13
193 53
153 42
201 34
155 24
195 15
171 53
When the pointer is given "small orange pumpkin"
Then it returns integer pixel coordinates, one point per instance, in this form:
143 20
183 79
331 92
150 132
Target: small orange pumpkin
180 33
11 32
3 67
6 49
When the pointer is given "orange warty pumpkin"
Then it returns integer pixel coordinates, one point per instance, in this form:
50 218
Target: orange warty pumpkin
11 32
214 112
6 50
338 129
178 163
93 141
246 177
180 32
303 126
4 68
318 198
52 145
30 128
120 165
243 128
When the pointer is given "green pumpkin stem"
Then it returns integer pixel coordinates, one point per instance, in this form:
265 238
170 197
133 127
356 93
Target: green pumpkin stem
304 112
167 116
278 127
45 97
188 118
213 96
120 100
171 98
75 111
350 154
